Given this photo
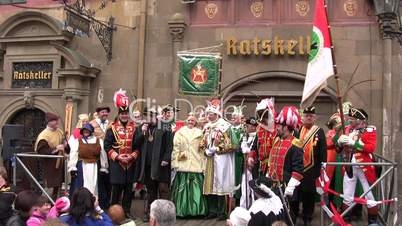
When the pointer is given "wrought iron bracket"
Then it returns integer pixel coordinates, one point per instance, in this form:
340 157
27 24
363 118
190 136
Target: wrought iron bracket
105 35
102 30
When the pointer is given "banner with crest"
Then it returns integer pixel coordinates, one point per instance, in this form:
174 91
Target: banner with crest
199 73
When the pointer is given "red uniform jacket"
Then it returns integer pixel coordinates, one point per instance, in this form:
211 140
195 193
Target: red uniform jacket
364 147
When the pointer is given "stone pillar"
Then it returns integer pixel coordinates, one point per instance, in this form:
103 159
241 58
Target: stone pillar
177 26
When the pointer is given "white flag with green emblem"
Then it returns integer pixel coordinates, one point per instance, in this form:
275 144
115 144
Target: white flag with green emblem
320 64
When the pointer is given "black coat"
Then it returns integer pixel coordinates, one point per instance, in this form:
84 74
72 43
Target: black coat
161 148
293 163
320 155
118 175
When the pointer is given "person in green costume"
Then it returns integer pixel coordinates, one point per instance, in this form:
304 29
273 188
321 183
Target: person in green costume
238 131
188 163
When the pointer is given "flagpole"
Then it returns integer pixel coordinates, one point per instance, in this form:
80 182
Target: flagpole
220 77
338 91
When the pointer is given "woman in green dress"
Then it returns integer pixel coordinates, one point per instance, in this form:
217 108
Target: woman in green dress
188 163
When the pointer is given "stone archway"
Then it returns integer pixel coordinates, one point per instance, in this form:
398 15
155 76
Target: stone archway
230 90
33 121
286 87
35 37
19 104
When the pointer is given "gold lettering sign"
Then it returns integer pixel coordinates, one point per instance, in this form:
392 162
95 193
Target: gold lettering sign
257 8
350 7
211 9
41 75
277 46
302 7
32 74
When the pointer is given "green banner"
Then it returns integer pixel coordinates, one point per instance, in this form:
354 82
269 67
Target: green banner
199 74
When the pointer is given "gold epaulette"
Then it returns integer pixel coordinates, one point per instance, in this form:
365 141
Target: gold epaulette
297 142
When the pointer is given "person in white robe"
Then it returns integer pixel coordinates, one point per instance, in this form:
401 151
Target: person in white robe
220 167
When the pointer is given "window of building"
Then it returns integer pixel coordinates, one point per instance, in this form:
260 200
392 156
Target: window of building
270 12
2 2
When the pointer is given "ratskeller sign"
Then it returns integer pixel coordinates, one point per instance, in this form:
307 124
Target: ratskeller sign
32 75
276 46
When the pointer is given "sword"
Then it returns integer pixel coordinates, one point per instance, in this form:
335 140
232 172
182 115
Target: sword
285 205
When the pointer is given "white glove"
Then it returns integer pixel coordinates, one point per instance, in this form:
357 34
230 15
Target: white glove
348 141
210 151
344 140
293 183
245 150
244 147
244 144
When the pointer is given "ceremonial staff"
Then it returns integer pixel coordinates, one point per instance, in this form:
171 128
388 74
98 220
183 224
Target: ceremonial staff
67 126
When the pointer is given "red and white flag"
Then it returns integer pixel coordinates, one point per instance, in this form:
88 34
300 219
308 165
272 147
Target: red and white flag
320 63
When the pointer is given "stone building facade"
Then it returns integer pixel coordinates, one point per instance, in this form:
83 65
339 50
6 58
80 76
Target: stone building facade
149 33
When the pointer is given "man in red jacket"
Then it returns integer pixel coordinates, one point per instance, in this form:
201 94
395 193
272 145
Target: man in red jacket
360 140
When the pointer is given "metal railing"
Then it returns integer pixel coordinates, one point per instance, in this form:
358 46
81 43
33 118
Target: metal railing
17 160
390 176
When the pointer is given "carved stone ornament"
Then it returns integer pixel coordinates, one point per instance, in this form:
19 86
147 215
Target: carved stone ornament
177 26
100 96
350 7
211 9
257 8
302 7
28 100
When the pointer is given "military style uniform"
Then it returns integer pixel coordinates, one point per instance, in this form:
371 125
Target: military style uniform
118 140
360 142
285 165
118 144
265 136
261 148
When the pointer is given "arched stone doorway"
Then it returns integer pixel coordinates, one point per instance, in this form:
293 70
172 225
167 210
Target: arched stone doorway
35 43
286 88
33 121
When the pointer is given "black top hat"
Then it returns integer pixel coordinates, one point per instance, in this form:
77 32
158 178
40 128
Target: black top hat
251 121
358 113
258 186
309 110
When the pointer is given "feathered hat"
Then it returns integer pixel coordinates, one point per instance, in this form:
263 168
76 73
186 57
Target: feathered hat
334 121
346 106
214 106
265 109
238 111
289 116
121 101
